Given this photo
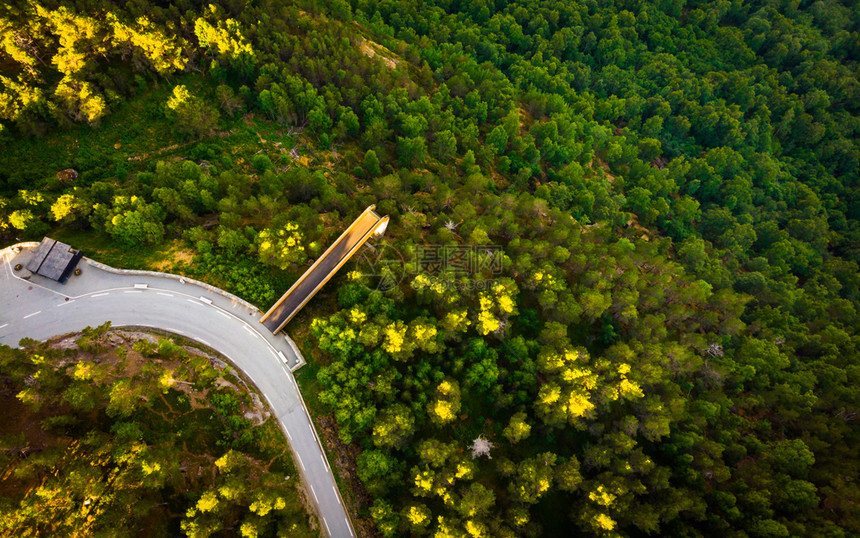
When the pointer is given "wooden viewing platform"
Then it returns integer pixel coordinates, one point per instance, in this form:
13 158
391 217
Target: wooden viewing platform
367 225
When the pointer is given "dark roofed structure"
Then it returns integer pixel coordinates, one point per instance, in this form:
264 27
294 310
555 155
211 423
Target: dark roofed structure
55 260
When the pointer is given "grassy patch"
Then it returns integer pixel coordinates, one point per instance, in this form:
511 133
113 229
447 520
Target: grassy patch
103 249
270 447
135 127
306 377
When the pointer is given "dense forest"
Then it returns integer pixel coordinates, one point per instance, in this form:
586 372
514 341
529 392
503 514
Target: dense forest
662 338
127 433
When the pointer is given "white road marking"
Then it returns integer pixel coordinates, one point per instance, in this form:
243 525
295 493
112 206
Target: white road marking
204 342
139 288
326 527
193 301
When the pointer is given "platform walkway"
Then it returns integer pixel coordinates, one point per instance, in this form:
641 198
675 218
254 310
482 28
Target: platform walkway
363 228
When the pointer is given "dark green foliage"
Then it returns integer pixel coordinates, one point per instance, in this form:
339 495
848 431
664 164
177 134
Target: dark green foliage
261 162
673 187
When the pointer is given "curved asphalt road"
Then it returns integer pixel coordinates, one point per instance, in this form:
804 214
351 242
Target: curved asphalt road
40 308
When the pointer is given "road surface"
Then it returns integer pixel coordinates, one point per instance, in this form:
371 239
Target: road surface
40 308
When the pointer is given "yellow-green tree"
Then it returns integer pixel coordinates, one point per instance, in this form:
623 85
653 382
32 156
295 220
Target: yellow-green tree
191 113
418 516
445 405
496 305
224 39
80 100
146 44
281 247
518 428
393 426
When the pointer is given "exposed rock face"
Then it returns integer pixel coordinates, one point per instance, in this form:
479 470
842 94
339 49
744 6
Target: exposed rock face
68 175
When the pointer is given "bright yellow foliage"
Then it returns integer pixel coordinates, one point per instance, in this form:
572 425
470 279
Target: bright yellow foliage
418 515
207 502
521 519
179 97
166 380
83 371
476 529
446 530
356 316
629 389
487 323
424 336
543 485
281 247
149 468
225 38
506 304
162 52
578 405
248 530
465 471
394 336
81 99
456 320
604 522
518 429
601 496
549 394
424 481
444 411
